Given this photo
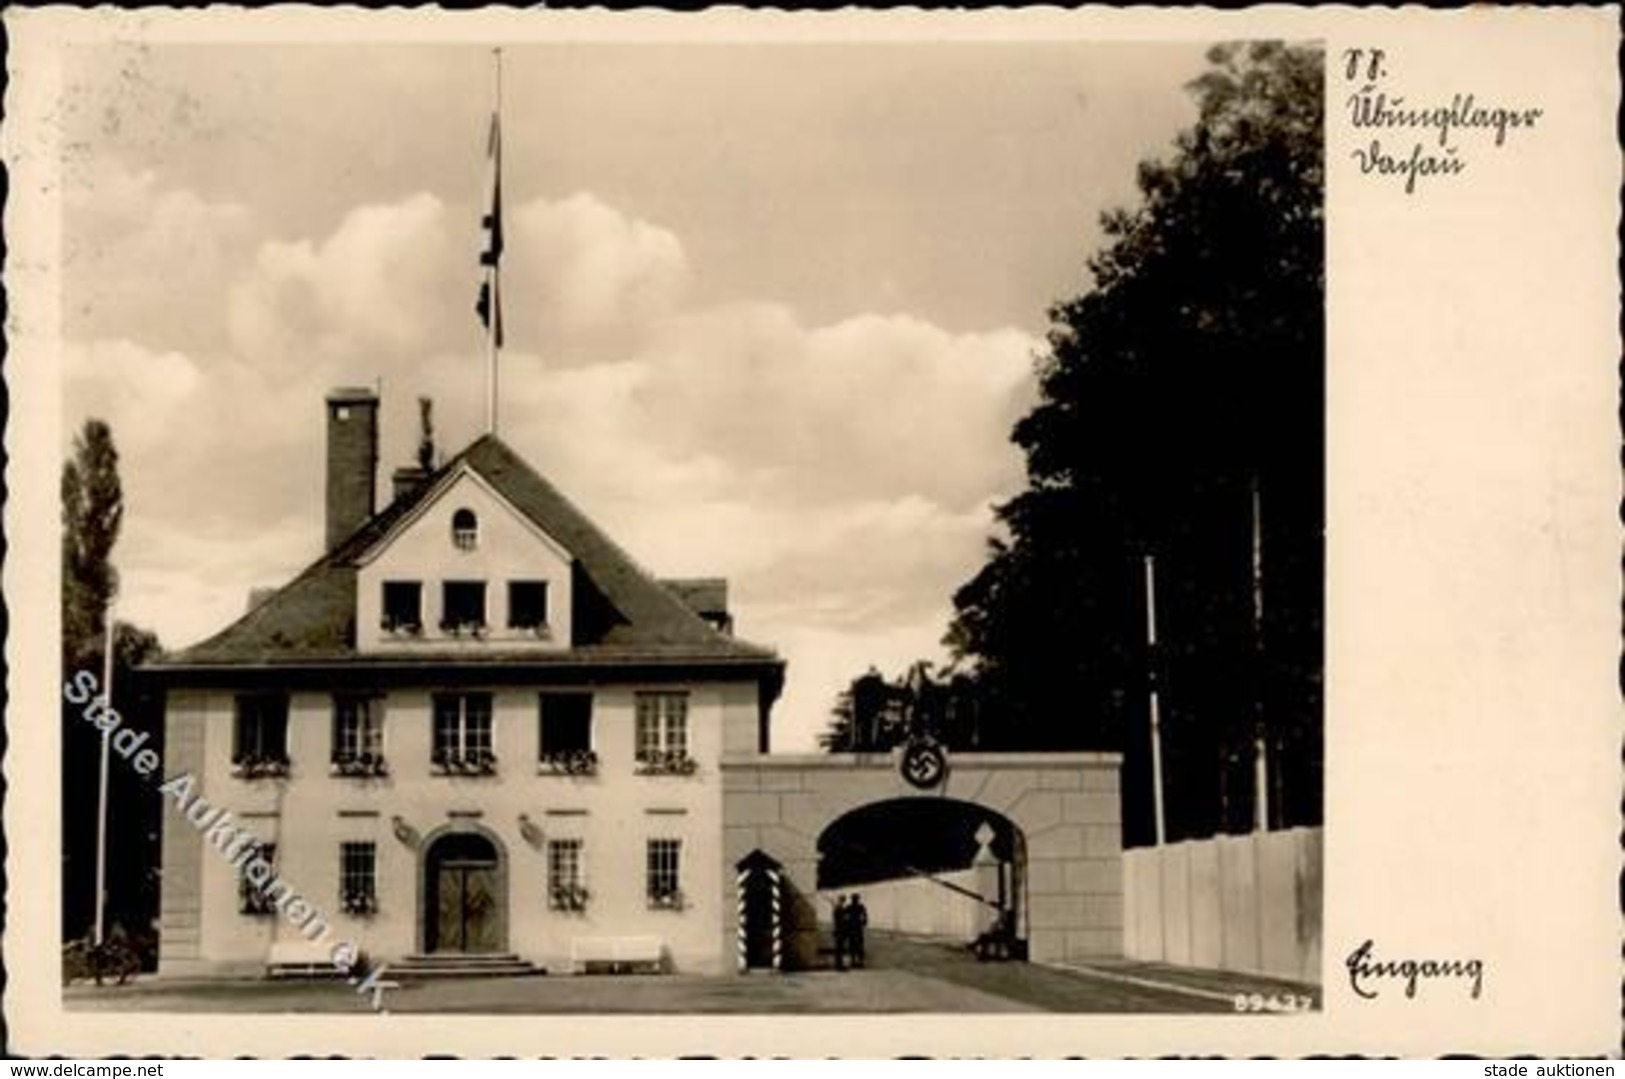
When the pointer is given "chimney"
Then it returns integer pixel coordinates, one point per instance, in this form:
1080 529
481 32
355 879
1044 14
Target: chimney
407 480
352 460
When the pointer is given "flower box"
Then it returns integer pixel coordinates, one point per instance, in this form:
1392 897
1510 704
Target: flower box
359 904
466 764
666 901
257 902
570 898
667 763
260 767
361 765
572 762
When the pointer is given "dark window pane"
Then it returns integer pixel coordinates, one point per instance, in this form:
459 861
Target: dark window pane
566 722
464 604
527 604
403 605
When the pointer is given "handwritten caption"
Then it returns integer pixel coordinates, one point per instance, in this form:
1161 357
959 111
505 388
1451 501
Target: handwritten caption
1453 130
1367 972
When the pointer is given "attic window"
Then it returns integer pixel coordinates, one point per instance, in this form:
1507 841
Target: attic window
463 606
527 605
465 529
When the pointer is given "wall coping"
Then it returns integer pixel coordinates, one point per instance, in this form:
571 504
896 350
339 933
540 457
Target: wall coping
781 762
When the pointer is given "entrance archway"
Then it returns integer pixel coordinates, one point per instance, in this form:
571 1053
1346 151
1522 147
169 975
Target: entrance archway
465 894
1055 817
929 865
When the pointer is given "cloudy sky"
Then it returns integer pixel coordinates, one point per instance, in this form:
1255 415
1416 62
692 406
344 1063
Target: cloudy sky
772 309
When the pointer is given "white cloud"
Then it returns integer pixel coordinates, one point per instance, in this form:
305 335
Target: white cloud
379 282
840 475
584 281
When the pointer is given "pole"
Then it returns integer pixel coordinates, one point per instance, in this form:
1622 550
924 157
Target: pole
493 271
1261 787
1156 714
101 785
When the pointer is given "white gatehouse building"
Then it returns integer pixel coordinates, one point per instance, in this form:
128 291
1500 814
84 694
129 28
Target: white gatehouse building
475 736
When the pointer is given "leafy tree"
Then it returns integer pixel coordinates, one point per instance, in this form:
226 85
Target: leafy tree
1190 374
92 512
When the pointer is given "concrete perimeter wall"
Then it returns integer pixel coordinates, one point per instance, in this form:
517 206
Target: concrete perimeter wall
1249 903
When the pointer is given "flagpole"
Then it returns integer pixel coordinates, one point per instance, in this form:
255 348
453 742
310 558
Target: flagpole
1261 767
101 784
1156 713
492 272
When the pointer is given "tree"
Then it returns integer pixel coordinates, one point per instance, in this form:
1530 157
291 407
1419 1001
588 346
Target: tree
92 513
1190 372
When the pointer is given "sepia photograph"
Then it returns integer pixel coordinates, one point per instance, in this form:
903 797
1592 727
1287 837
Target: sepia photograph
656 523
645 522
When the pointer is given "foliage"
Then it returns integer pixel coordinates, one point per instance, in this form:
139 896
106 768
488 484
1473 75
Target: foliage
1189 375
92 513
1190 372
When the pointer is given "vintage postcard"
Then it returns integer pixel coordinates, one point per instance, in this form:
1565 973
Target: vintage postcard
755 533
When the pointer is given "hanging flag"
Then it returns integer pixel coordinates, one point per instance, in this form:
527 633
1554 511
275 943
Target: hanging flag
489 304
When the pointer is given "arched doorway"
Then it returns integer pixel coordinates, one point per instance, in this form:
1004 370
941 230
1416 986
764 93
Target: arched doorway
465 894
930 866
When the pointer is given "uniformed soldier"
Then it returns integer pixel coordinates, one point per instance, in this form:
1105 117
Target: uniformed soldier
858 919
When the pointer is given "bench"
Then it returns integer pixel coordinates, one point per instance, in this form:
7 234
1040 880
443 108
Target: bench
301 959
617 954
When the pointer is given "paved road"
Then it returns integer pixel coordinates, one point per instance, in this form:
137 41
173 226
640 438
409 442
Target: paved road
903 976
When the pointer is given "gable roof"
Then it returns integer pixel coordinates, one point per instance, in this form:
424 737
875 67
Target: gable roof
625 614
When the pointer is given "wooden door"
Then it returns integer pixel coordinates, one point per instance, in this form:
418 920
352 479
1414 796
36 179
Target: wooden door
467 917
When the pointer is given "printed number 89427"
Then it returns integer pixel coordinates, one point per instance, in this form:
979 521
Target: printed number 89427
1273 1002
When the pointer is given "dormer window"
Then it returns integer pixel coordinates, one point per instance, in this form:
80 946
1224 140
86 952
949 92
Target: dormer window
465 529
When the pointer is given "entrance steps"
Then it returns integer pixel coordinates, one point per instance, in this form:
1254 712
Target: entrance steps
463 965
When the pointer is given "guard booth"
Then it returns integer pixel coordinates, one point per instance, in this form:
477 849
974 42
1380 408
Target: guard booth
760 882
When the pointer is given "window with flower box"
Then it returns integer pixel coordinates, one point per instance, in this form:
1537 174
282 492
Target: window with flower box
527 606
566 880
403 607
462 609
662 734
358 878
358 735
565 741
254 898
260 735
462 734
